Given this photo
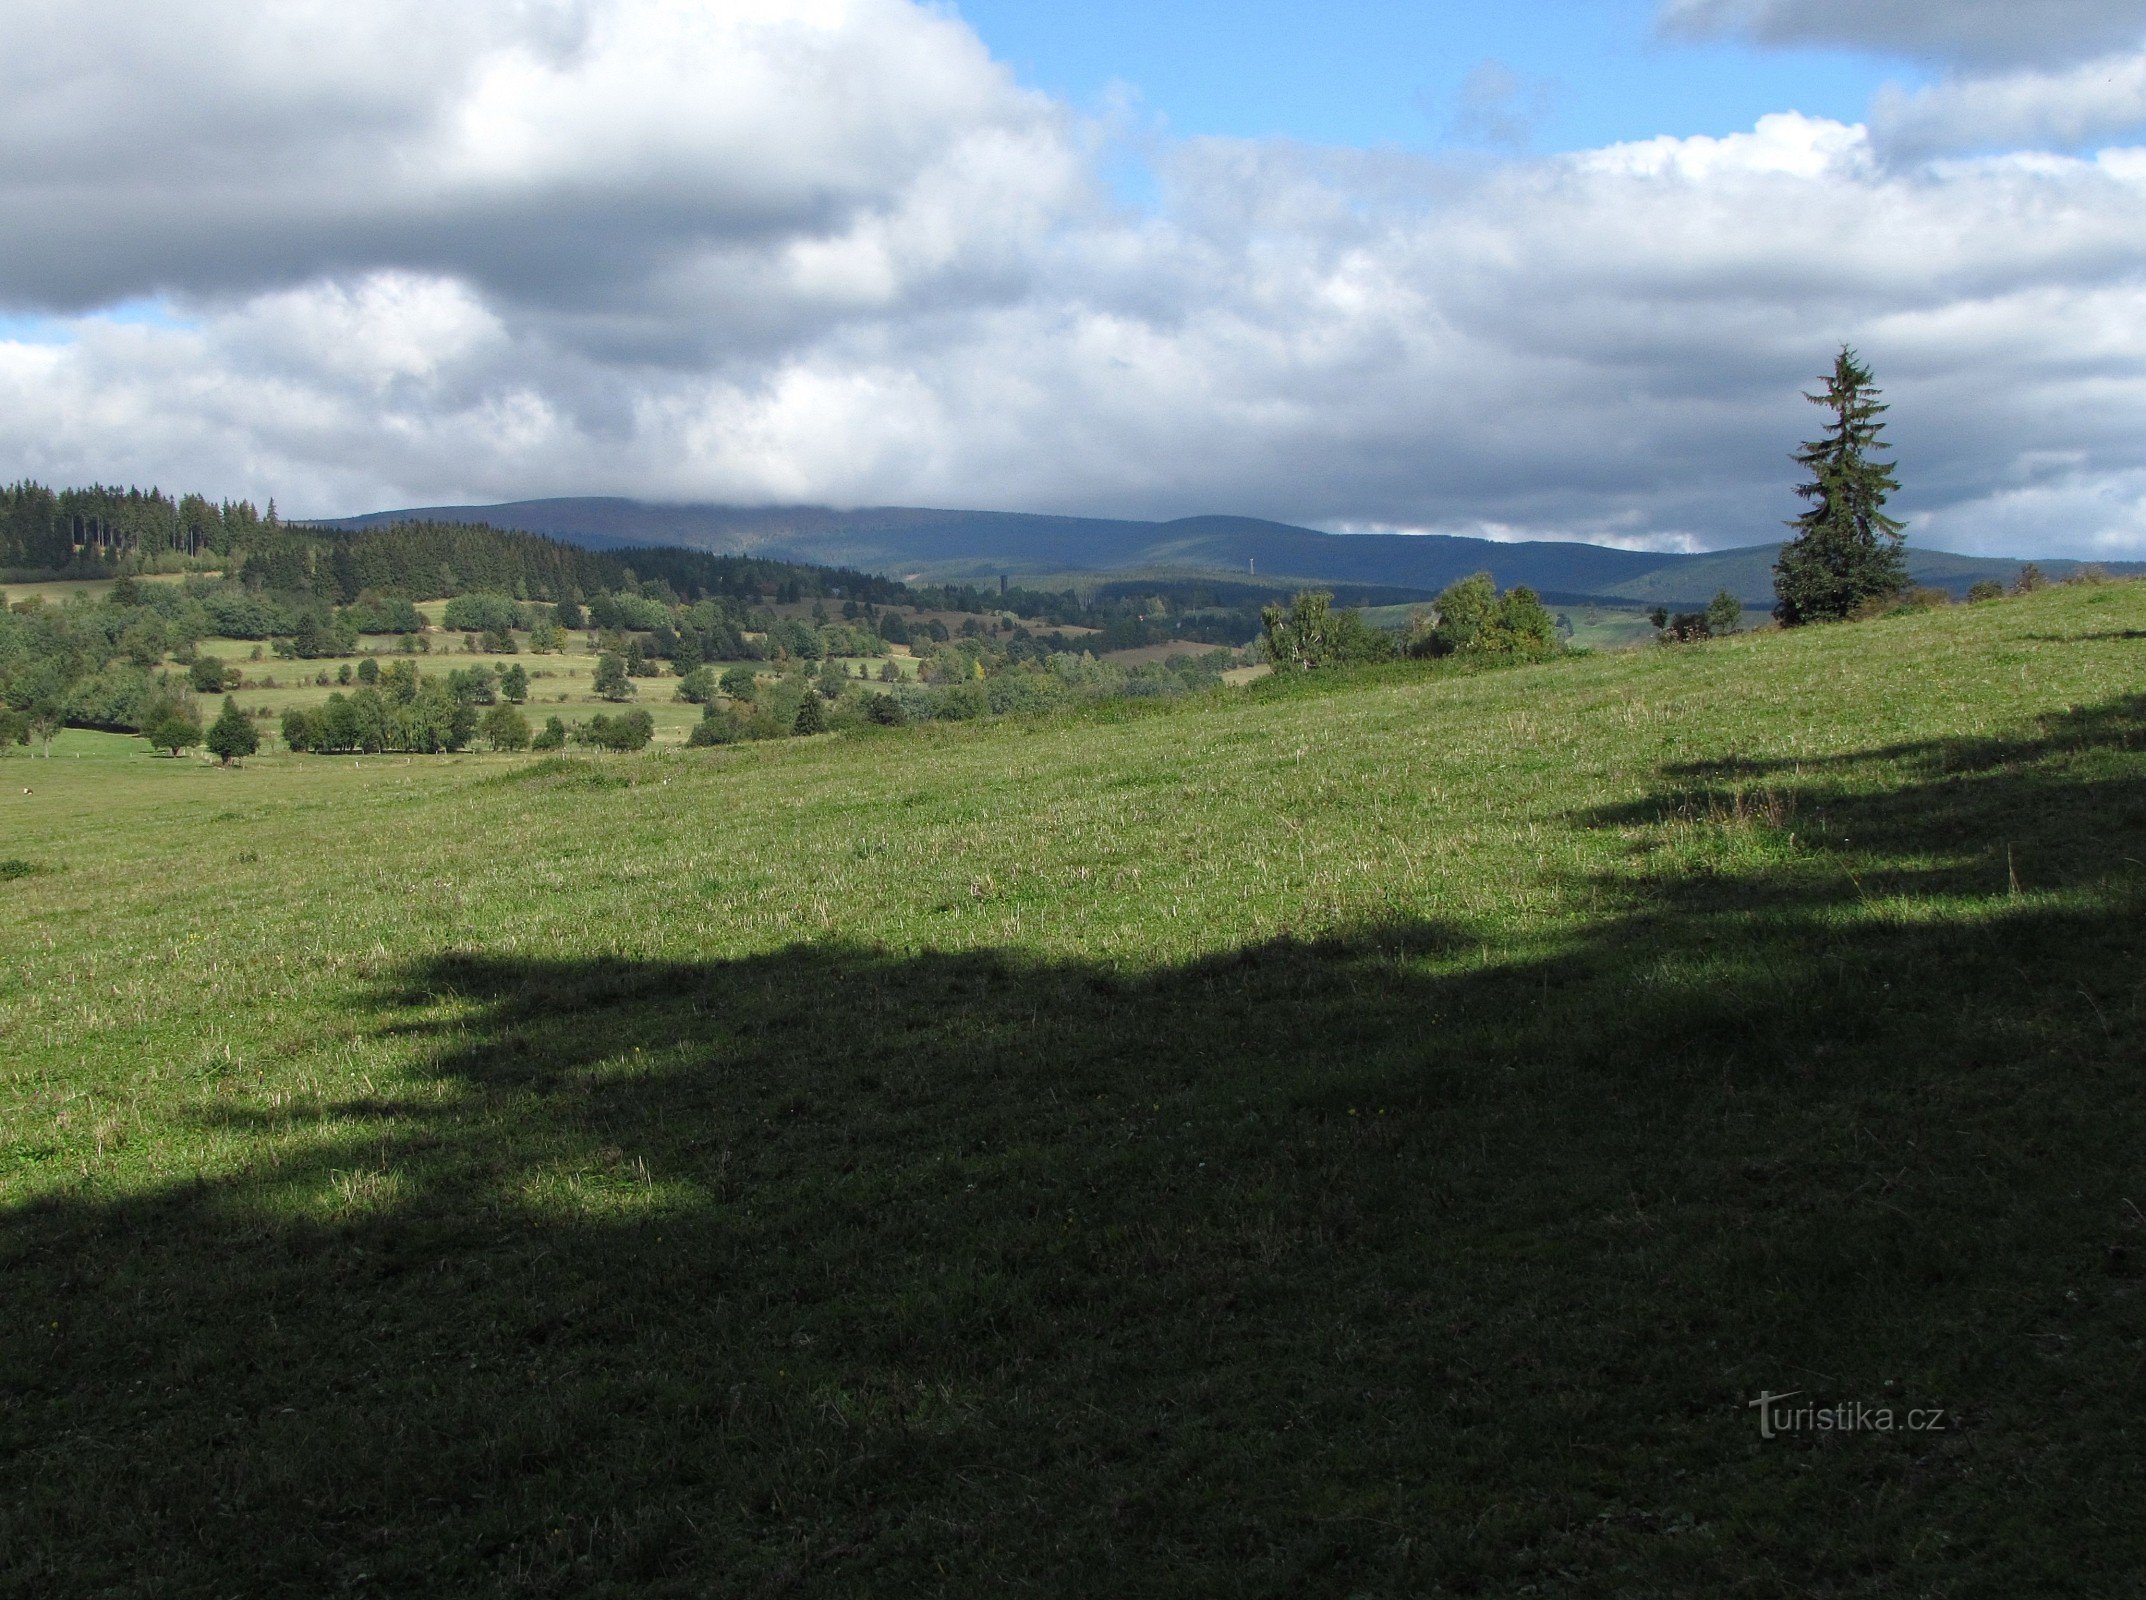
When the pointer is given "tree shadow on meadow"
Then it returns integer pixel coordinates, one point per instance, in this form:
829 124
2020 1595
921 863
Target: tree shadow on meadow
1395 1262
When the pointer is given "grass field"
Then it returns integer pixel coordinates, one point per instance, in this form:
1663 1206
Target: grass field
561 684
1355 1138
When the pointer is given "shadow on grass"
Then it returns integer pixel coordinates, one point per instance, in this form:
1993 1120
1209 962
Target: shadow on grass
1397 1262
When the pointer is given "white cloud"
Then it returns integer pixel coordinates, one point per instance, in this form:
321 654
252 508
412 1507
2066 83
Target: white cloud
2066 108
830 252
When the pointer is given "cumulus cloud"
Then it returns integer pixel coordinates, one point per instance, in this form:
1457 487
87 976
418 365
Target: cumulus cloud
925 301
2065 109
1978 32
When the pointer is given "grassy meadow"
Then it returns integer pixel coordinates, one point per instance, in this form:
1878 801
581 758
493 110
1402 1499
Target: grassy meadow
561 684
1357 1136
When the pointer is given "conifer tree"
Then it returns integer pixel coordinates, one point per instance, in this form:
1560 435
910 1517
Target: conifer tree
1846 550
811 717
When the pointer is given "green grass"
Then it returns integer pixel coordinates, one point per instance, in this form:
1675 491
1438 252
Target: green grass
1332 1138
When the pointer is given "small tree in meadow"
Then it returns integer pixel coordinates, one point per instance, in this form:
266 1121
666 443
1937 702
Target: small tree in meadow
1724 613
505 728
811 716
174 728
611 680
514 684
232 735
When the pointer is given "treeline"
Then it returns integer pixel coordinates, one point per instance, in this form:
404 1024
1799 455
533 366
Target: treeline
108 529
1127 615
102 532
967 682
1470 618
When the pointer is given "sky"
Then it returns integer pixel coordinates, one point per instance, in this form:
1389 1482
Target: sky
1554 269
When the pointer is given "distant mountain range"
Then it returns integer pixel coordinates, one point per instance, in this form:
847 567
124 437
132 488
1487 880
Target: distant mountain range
978 546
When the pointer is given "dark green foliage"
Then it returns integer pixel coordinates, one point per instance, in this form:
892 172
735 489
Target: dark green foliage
174 727
719 725
886 710
1847 551
405 714
1681 627
1984 589
206 675
811 716
232 735
505 728
482 613
375 615
299 726
552 736
698 686
740 682
514 683
624 730
369 671
1724 613
14 728
610 681
15 867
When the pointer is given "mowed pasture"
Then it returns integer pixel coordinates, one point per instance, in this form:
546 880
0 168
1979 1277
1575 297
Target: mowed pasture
561 683
1371 1135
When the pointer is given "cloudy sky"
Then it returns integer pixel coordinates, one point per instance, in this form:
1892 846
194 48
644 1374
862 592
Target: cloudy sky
1559 271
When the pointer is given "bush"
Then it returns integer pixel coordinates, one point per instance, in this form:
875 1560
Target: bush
553 736
2030 579
811 716
1984 589
885 710
697 687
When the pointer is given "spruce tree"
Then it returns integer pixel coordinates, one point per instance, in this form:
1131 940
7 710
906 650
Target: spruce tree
1846 550
811 716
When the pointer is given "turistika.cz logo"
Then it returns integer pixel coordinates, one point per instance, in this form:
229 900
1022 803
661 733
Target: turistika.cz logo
1777 1416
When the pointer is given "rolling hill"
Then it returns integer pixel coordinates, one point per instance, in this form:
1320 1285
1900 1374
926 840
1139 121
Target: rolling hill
970 546
1362 1135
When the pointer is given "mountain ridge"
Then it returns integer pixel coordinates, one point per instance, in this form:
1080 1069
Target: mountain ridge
922 543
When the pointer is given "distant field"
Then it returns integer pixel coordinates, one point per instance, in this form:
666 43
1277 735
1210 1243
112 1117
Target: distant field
560 684
54 593
1368 1136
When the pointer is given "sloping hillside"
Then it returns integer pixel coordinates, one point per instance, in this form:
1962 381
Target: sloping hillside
1360 1136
